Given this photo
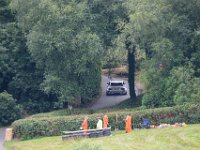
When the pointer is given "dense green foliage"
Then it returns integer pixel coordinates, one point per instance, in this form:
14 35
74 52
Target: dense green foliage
9 111
18 73
52 51
54 125
167 32
64 46
104 22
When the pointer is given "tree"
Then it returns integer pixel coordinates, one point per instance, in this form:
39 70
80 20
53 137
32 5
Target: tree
18 73
131 68
104 19
136 33
6 28
170 46
62 43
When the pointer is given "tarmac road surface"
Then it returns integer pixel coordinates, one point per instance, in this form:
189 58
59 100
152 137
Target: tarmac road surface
2 136
107 101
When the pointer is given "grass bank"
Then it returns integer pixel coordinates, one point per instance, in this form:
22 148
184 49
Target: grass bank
185 138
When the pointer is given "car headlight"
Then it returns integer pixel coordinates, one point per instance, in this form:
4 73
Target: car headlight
108 89
123 89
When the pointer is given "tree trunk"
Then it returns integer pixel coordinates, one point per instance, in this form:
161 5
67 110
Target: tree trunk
131 70
131 75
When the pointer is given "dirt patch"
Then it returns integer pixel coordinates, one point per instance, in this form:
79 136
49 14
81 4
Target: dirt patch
120 72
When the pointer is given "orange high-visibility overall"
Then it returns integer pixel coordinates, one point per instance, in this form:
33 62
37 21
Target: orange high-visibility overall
105 121
128 127
85 125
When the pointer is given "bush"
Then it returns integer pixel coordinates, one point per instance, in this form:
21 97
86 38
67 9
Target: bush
9 111
33 106
188 92
151 99
51 126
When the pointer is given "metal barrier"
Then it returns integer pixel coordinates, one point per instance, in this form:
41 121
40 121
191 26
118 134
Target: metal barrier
90 133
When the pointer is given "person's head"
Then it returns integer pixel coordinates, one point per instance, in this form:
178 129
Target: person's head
99 118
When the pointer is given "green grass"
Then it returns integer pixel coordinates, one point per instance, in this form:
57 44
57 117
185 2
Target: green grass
185 138
128 104
124 106
83 112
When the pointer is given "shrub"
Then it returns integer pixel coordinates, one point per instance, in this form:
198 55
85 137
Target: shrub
188 92
151 100
9 111
33 106
51 126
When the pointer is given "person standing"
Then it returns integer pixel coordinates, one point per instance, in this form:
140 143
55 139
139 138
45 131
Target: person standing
84 125
105 121
128 121
99 123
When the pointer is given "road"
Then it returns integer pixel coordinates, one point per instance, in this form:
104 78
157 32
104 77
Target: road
107 101
2 136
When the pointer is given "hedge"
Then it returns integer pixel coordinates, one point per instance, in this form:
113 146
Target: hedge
39 127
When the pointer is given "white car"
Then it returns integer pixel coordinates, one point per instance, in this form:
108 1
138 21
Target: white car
116 87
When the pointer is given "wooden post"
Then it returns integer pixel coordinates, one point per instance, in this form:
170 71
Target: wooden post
116 118
9 134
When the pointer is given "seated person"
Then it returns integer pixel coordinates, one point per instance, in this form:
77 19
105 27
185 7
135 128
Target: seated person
145 123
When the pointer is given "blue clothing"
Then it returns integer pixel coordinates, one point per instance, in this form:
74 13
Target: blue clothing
145 123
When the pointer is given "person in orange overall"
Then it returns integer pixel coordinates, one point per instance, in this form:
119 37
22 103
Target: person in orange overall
128 127
84 125
105 121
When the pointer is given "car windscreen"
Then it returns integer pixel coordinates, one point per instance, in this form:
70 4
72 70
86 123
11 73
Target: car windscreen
116 84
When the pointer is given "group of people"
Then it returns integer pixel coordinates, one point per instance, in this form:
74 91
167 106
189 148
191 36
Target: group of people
104 124
128 123
100 124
